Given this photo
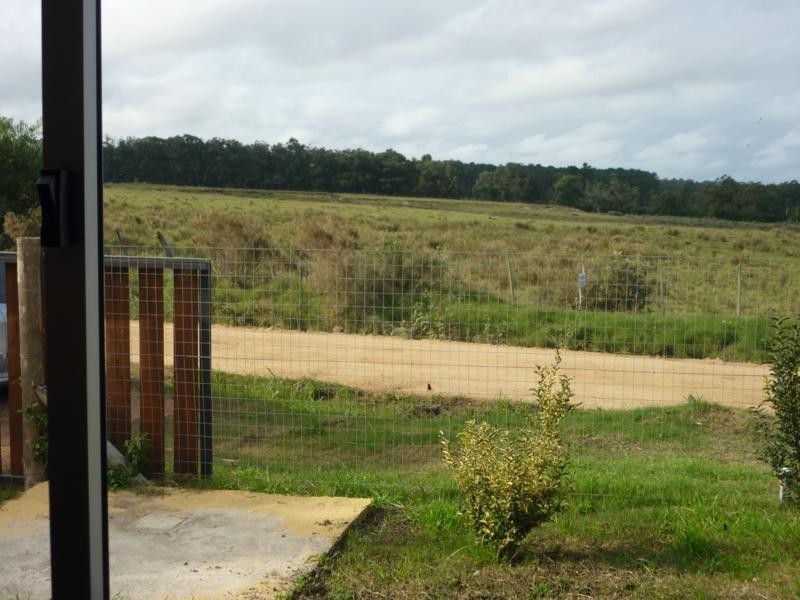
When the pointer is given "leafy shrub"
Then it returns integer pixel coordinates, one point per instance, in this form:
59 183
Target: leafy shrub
625 286
36 413
135 452
27 224
241 250
364 287
781 430
511 481
432 319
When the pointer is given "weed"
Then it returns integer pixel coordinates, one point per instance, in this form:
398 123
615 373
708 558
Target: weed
36 413
135 451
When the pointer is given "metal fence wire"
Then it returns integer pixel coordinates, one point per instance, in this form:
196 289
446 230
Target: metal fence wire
337 370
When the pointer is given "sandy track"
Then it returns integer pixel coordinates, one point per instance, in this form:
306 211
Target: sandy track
481 371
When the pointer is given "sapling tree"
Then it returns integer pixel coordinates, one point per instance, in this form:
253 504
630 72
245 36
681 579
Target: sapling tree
780 411
511 480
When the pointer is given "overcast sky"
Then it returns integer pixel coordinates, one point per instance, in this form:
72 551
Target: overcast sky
685 88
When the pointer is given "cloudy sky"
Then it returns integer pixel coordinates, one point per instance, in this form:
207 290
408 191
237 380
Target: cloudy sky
685 88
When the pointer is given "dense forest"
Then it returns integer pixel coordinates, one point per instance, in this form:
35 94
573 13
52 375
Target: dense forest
188 160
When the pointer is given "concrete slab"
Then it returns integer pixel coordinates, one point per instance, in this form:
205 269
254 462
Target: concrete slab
184 544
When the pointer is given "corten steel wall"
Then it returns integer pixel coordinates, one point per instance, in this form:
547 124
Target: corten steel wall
191 422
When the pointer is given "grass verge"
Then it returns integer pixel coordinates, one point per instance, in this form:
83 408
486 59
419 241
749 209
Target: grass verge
663 503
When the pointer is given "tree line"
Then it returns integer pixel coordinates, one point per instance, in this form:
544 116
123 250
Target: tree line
217 162
226 163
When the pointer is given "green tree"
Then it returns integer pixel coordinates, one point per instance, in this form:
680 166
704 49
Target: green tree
436 179
20 163
569 191
780 411
614 196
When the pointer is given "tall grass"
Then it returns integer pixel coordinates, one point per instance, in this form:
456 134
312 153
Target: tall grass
474 271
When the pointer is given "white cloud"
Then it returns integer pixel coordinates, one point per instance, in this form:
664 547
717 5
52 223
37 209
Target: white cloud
697 150
781 152
598 141
412 121
682 88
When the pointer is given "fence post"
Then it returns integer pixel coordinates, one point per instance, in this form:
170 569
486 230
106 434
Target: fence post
31 346
151 365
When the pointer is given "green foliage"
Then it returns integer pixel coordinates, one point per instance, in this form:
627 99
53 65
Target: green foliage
432 319
569 191
364 288
188 160
27 224
508 183
118 477
781 429
511 481
135 452
241 249
36 413
20 162
625 286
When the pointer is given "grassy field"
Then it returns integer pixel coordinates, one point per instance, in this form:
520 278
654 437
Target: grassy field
138 211
473 271
663 503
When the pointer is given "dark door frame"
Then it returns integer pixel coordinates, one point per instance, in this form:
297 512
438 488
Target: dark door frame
72 301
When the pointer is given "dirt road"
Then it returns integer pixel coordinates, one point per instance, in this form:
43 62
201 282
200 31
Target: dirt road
482 371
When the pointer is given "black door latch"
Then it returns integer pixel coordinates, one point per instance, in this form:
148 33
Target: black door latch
53 187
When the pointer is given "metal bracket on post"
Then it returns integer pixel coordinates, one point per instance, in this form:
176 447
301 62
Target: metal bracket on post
53 188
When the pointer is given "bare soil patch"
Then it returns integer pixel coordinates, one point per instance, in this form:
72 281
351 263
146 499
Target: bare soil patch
480 371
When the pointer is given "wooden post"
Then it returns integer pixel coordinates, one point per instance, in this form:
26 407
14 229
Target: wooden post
151 365
14 390
186 334
31 345
118 358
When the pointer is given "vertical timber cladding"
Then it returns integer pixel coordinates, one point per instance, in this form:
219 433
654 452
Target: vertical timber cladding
14 371
151 365
186 347
118 359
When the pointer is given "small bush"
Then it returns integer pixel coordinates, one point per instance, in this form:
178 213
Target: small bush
135 451
625 286
36 413
781 430
241 249
364 288
27 224
511 481
432 319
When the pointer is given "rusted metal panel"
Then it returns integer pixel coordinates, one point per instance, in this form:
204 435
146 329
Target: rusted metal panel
186 348
118 359
151 365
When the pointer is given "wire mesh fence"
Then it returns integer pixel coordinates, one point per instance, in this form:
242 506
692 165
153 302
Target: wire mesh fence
338 370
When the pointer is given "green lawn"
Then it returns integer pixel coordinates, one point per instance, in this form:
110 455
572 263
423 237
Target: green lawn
662 503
